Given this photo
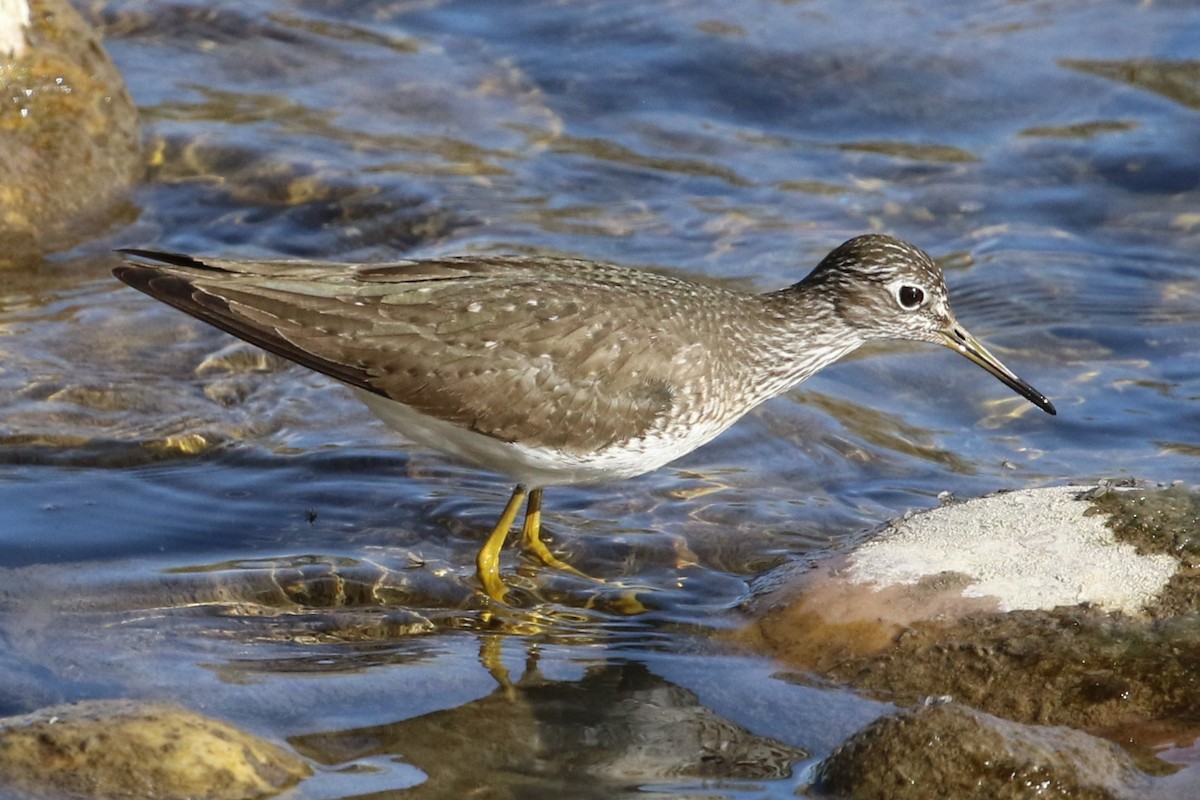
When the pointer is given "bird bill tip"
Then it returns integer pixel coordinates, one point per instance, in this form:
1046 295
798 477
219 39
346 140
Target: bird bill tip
957 339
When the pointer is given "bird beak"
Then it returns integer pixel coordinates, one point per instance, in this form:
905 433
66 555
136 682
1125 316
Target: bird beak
956 338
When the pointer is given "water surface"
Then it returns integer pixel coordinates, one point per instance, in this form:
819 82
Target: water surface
182 518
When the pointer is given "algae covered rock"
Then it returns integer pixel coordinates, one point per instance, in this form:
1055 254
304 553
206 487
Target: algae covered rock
69 137
132 750
952 751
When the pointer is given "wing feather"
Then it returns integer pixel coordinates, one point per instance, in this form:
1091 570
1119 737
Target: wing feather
516 350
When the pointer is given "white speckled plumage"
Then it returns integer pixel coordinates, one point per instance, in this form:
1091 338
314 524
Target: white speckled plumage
560 370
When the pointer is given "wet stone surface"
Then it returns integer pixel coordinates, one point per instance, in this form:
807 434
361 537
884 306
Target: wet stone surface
951 750
1161 521
70 144
126 749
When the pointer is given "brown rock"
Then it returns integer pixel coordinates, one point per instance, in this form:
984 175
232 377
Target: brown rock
69 138
952 751
132 750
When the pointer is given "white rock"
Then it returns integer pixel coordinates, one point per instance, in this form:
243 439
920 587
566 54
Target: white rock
1027 549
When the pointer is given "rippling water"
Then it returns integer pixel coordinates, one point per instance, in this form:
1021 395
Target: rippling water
192 503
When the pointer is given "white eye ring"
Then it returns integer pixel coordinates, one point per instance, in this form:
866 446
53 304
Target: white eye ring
910 297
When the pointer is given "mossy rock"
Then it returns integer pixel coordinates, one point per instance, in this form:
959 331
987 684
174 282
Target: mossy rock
133 750
69 136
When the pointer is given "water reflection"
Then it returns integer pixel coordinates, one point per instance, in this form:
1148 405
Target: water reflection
617 728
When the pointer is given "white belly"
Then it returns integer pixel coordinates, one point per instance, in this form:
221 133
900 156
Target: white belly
534 466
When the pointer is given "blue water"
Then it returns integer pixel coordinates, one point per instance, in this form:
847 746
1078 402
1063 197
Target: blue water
1045 153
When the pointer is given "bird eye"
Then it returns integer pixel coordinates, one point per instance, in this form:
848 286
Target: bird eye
911 296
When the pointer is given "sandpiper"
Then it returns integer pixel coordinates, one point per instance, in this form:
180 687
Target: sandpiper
557 370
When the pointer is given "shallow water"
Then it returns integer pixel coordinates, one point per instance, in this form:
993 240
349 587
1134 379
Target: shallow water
183 519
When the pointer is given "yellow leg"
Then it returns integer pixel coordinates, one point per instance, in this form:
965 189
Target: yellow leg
531 537
487 563
627 603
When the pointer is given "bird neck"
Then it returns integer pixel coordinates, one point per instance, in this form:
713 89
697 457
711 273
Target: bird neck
806 334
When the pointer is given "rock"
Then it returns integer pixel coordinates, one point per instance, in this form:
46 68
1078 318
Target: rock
1029 549
69 137
1022 625
1038 549
132 750
951 751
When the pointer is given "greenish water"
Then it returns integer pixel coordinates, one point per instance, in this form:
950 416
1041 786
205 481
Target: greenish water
159 484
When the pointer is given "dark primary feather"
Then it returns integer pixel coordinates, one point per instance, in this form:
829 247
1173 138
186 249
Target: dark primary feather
211 307
514 348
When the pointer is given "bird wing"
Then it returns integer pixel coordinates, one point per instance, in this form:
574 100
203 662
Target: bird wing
518 349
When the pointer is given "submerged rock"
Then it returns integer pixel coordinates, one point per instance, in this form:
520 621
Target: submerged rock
131 750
